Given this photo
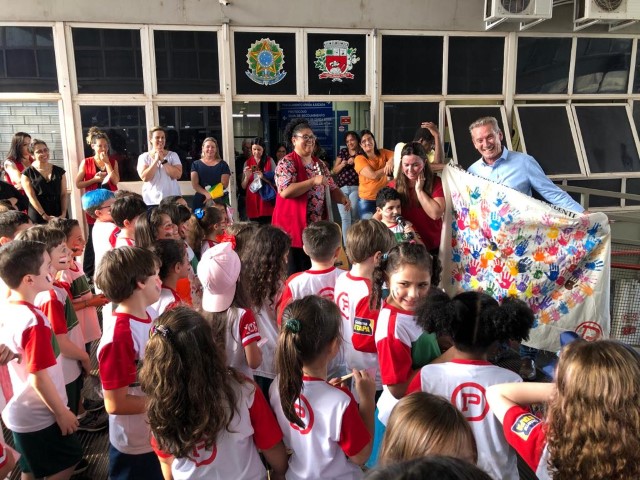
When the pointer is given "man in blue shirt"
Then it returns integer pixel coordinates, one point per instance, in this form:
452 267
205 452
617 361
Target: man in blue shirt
523 173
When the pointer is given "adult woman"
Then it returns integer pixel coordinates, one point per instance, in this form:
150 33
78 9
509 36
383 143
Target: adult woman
45 185
281 151
17 159
91 175
301 181
421 194
159 169
208 171
373 166
257 166
347 179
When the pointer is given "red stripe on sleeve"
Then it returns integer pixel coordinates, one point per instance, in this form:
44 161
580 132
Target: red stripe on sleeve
38 352
266 431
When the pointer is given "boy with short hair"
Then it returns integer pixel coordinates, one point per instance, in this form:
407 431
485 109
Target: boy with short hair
124 212
321 241
129 278
12 222
389 209
97 204
367 242
37 414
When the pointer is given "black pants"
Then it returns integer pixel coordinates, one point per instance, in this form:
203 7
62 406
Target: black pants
89 262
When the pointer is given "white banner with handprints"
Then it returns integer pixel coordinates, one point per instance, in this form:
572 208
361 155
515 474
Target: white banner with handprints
506 243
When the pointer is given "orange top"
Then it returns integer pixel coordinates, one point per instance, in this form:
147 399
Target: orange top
368 189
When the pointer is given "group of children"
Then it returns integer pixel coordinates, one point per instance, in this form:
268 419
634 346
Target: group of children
214 365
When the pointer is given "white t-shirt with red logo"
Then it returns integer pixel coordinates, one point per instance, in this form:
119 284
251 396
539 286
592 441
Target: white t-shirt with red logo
169 299
242 330
124 242
333 431
120 355
234 455
359 322
27 332
266 320
103 234
525 433
464 384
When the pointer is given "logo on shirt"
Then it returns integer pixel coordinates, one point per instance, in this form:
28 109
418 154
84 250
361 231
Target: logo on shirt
590 331
524 424
343 304
470 399
363 326
304 411
336 60
201 456
326 292
265 59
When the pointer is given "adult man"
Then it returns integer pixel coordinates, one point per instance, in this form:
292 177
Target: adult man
523 173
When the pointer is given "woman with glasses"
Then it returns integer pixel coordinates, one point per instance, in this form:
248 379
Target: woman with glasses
17 159
281 151
373 166
45 185
301 181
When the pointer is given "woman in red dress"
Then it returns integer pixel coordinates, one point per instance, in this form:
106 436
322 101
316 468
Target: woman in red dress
258 165
17 159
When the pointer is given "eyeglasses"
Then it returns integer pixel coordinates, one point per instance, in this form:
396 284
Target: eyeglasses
42 150
307 138
102 208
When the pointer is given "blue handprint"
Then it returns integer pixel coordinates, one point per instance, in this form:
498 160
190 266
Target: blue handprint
523 283
594 229
499 199
591 243
554 271
496 221
547 288
455 257
545 302
475 195
524 265
521 248
475 253
563 308
538 238
595 266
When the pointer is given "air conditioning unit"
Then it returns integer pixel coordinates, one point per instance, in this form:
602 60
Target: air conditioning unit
617 13
527 12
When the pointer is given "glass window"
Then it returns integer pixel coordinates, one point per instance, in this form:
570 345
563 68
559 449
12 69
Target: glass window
108 60
633 186
126 129
401 120
411 65
187 62
27 60
603 184
475 65
602 65
608 139
39 119
547 135
186 128
543 65
461 118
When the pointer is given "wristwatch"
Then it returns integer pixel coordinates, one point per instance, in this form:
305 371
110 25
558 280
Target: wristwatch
164 161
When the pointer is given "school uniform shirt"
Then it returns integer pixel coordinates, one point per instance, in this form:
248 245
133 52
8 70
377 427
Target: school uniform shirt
234 455
55 304
194 281
78 286
398 232
266 321
359 323
526 434
120 355
169 299
124 242
103 237
402 347
206 245
464 383
333 431
27 332
242 330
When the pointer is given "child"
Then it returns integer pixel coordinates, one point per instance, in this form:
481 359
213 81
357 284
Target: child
367 241
321 241
12 223
208 421
422 424
234 325
389 210
174 265
37 414
329 436
129 278
264 265
403 346
431 467
155 225
125 212
475 322
593 415
84 301
205 226
97 204
188 288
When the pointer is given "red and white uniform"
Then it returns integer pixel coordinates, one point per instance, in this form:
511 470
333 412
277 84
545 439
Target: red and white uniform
359 322
234 455
206 245
79 287
266 320
52 303
464 384
333 431
124 242
103 235
242 330
526 434
169 299
120 355
27 331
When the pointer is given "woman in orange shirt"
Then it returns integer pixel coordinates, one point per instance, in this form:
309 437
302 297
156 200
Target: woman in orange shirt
373 166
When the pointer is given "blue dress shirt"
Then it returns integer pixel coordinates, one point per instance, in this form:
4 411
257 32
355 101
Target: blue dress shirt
523 173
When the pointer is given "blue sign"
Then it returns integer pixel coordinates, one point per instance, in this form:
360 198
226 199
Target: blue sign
321 120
